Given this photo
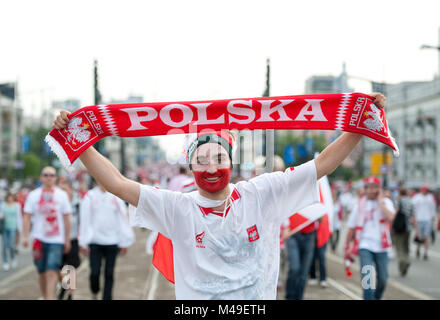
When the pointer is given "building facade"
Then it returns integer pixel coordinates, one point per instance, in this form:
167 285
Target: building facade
413 115
321 84
11 127
136 151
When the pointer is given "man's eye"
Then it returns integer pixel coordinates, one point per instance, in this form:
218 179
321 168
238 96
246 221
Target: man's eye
222 160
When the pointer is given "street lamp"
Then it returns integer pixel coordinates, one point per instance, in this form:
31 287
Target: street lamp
426 46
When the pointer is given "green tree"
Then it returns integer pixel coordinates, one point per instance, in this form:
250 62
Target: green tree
32 165
290 137
38 156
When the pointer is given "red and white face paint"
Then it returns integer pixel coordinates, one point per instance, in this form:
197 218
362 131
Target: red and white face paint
211 167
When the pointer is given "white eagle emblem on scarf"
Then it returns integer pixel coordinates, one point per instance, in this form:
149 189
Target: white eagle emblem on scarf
374 123
76 131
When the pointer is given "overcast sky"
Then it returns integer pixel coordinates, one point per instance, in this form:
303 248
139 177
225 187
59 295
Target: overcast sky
191 50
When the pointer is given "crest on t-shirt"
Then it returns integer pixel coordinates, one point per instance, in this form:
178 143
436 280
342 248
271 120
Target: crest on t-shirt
199 240
253 233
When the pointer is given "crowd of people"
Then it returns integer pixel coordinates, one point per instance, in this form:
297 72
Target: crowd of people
95 214
65 222
415 220
59 222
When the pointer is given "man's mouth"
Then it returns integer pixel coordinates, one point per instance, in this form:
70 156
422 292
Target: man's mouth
212 179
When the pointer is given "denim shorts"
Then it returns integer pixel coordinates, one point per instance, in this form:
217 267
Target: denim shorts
51 259
425 228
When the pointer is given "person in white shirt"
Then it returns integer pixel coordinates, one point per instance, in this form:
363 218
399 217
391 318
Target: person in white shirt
347 198
338 217
424 212
369 229
176 182
104 232
225 237
50 208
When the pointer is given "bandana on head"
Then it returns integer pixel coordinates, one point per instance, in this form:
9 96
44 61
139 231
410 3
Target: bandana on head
221 137
372 180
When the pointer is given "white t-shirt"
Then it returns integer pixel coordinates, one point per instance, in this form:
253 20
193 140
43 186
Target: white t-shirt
240 260
74 216
47 214
337 223
347 200
424 207
104 220
371 237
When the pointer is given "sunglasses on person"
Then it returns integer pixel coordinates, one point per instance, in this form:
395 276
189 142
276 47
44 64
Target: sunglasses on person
49 175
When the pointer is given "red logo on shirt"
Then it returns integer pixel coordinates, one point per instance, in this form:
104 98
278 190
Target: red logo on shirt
253 233
199 240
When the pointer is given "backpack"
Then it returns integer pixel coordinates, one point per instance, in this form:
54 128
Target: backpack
399 223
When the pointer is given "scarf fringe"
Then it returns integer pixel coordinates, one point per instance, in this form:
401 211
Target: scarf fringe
59 151
396 151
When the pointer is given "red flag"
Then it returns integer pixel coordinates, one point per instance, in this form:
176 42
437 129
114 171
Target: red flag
163 257
325 228
323 233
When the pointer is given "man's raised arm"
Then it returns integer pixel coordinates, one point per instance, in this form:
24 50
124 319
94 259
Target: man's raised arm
333 155
103 170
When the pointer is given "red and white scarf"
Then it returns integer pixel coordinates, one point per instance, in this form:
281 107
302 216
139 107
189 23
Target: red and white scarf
351 112
48 208
362 216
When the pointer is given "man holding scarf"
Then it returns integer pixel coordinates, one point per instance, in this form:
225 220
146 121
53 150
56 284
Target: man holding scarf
369 229
225 236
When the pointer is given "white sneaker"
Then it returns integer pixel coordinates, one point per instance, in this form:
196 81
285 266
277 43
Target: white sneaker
324 284
14 263
313 282
6 266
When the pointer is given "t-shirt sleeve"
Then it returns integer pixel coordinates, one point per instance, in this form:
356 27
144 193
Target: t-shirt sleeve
352 218
29 203
66 207
156 209
85 226
389 205
414 201
19 218
126 235
285 193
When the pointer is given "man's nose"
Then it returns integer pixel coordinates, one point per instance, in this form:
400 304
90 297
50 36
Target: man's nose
212 168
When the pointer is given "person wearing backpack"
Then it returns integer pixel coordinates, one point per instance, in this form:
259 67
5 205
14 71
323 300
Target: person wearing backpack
401 230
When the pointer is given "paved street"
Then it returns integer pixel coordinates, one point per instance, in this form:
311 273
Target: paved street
422 276
131 276
137 279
